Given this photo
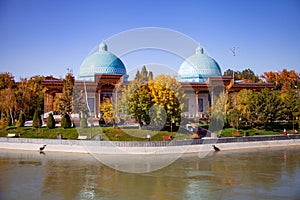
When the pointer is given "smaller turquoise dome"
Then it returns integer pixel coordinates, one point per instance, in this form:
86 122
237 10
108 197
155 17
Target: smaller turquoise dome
198 68
101 62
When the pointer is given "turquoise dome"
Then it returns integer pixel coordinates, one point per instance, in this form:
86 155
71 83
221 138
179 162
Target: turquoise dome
198 68
101 62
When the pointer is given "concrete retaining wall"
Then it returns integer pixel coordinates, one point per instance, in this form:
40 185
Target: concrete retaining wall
153 147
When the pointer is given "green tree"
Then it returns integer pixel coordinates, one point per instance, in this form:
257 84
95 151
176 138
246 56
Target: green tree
139 104
153 101
83 122
50 121
79 102
267 107
65 121
246 74
66 100
291 105
240 109
218 113
37 121
21 120
136 100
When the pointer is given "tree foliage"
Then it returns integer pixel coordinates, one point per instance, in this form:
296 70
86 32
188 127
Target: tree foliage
106 109
218 113
79 102
37 121
50 121
246 74
291 104
168 94
30 95
6 80
66 121
239 108
83 122
153 101
65 104
8 104
249 108
284 80
21 120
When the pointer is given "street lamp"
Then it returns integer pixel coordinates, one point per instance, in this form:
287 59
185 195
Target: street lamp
172 121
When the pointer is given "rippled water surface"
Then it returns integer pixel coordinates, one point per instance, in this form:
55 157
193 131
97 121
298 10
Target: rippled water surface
271 173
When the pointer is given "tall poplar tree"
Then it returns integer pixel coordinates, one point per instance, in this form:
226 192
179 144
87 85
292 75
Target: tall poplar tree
65 104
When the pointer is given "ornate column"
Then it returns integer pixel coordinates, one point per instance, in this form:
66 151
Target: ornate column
99 100
197 106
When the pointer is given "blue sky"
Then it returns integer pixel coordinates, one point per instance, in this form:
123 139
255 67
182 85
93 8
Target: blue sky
47 37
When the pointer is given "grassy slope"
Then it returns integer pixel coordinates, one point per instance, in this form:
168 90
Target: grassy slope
124 134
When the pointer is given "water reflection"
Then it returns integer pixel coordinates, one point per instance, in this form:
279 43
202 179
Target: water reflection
252 174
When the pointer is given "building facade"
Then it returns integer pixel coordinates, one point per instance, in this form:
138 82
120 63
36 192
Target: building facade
102 75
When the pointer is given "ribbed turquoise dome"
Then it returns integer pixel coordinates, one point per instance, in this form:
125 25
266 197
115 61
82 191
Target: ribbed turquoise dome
198 68
101 62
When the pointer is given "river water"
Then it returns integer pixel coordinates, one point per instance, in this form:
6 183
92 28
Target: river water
270 173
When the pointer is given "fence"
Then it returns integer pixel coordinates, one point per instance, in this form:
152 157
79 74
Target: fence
150 143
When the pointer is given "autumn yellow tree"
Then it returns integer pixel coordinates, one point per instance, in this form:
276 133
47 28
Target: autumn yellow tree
106 109
157 101
283 80
8 104
167 94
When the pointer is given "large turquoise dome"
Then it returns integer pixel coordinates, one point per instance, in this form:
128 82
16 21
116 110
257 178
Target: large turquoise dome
198 68
101 62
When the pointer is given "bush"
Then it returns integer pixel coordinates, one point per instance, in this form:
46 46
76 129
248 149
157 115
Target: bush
83 122
50 121
66 121
37 121
21 121
3 122
101 121
10 122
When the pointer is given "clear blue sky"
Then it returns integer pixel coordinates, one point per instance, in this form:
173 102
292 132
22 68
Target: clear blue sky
47 37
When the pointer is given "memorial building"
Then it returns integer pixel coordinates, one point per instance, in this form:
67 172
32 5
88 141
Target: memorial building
102 75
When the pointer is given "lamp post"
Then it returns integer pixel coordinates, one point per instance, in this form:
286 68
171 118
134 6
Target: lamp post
172 121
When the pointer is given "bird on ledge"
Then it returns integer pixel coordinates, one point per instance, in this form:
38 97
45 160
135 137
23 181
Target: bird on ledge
216 148
42 148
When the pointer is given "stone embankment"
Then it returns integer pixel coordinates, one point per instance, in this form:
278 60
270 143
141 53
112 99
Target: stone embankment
152 147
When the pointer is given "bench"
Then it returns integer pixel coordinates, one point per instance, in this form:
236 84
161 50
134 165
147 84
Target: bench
236 134
167 137
195 136
293 131
82 137
11 135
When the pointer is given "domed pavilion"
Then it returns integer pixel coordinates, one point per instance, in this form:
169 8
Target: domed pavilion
101 62
198 68
102 75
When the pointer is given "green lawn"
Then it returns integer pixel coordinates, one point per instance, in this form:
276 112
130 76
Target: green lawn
124 134
106 133
30 132
227 132
272 129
